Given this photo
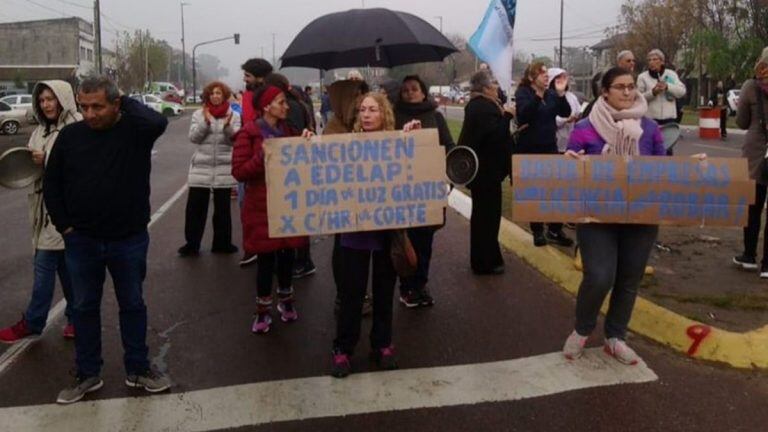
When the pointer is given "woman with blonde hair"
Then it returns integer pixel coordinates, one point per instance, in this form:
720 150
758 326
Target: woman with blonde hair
362 252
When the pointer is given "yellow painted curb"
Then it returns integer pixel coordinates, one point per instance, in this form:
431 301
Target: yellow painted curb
698 340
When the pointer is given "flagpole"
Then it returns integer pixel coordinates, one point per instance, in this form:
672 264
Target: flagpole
560 62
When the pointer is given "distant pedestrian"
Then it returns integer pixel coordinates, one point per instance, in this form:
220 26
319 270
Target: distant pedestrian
414 104
361 254
97 190
564 124
275 255
719 100
212 128
538 106
54 107
254 71
626 60
325 107
486 131
752 115
614 255
661 88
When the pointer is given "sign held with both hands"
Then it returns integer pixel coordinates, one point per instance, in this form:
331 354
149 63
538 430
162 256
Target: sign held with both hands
355 182
643 190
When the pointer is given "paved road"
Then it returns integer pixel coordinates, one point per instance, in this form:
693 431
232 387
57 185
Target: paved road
484 358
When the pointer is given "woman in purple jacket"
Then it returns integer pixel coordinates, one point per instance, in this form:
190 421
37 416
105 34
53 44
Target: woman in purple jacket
614 255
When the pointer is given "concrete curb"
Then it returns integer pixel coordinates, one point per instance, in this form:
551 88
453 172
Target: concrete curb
697 340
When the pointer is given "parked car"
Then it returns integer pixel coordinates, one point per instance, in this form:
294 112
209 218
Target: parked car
163 107
11 119
198 97
21 102
733 101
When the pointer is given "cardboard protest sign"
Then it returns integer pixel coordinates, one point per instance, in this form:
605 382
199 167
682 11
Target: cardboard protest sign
651 190
355 182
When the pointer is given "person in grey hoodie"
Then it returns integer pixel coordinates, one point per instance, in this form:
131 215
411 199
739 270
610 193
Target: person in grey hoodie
212 129
54 107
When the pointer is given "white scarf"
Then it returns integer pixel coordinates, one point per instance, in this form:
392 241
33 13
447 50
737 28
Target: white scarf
621 130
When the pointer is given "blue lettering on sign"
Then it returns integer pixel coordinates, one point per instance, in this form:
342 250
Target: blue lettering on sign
567 207
288 227
292 178
604 170
606 208
531 193
421 191
407 214
372 195
321 197
560 169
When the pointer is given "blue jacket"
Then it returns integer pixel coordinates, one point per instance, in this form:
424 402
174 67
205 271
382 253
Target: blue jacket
536 120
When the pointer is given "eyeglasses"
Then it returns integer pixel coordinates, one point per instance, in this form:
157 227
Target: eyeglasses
624 88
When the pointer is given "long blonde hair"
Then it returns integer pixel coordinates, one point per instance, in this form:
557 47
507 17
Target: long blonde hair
388 116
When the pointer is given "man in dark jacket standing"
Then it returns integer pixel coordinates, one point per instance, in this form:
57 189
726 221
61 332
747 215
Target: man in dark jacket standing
97 190
537 108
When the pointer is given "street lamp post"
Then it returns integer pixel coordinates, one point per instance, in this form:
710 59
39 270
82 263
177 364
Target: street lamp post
183 50
235 37
560 62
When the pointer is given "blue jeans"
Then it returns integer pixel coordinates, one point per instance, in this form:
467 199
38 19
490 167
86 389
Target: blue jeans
614 258
47 264
126 259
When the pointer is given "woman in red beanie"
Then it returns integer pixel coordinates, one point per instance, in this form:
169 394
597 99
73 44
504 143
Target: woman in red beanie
275 255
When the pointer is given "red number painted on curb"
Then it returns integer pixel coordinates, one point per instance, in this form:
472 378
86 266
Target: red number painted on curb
698 333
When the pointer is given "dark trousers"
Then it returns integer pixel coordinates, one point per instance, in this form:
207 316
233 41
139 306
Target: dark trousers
197 213
87 260
280 263
614 258
752 230
485 253
303 257
356 265
723 122
421 239
336 263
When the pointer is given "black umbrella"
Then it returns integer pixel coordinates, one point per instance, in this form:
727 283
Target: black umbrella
366 37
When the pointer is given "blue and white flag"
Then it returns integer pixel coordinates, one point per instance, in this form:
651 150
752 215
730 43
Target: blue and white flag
492 41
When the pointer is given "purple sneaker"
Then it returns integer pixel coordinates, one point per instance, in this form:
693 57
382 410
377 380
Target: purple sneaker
262 323
287 311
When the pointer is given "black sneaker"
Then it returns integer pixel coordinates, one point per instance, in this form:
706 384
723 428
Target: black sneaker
341 367
248 258
539 240
746 262
426 298
411 299
188 251
385 358
306 269
559 238
764 271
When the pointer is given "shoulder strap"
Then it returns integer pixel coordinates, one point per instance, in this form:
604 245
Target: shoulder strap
761 109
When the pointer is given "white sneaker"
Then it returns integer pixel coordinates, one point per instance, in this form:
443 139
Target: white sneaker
574 346
619 349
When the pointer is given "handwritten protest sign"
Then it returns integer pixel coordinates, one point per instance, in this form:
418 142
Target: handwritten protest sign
652 190
355 182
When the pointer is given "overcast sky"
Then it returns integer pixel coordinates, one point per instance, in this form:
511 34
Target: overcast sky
536 31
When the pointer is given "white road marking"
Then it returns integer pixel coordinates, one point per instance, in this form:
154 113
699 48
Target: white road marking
16 350
319 397
713 147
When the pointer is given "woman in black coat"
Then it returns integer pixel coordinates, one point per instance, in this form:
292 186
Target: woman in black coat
486 131
414 104
537 108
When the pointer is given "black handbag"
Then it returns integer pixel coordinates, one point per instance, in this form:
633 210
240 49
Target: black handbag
764 127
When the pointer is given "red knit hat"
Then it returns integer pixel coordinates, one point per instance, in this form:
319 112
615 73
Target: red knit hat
267 96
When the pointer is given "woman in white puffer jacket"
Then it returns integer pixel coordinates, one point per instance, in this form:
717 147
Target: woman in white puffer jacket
212 129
